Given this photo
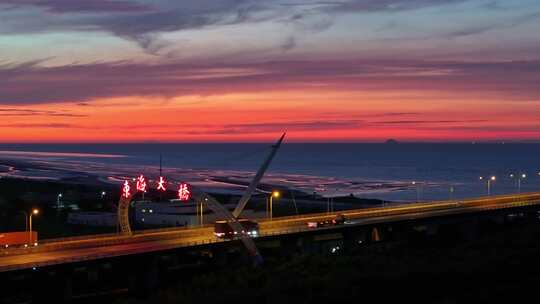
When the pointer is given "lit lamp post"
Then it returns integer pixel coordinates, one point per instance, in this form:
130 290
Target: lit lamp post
327 202
521 177
33 212
25 220
489 180
59 201
200 211
275 194
512 176
336 190
415 184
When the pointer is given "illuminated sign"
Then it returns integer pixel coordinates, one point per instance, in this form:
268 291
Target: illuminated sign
161 184
184 194
126 190
141 183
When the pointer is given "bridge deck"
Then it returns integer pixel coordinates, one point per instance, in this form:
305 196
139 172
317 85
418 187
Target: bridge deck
70 250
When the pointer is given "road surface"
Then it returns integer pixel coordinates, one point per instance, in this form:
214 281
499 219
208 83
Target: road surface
69 250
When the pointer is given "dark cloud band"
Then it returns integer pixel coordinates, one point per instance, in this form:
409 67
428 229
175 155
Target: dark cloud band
32 84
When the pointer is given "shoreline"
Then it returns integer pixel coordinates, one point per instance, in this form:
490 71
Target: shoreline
18 194
210 180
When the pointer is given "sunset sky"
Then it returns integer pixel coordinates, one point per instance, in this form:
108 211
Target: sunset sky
246 70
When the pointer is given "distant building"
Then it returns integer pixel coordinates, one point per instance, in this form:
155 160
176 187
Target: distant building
178 213
103 219
173 213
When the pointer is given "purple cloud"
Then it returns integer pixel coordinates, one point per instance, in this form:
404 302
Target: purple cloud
29 112
140 21
33 84
65 6
372 5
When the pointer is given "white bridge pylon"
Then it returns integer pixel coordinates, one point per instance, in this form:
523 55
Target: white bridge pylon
200 196
211 203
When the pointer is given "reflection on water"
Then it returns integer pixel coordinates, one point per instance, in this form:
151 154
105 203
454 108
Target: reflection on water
401 172
34 155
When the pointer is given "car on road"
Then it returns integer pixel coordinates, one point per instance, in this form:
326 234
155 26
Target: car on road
223 230
338 220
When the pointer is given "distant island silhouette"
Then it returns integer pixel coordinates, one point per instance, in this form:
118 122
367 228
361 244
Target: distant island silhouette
391 141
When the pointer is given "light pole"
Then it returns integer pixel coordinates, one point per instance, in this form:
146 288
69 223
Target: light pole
328 204
34 212
415 184
25 220
452 190
59 201
522 176
518 180
336 190
329 201
200 212
489 180
275 194
512 176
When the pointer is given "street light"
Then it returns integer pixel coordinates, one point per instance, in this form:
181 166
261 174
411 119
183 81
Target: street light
512 176
414 183
275 194
519 178
200 211
59 201
33 212
330 202
522 176
489 180
25 220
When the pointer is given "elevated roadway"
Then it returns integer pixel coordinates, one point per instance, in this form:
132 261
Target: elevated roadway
69 250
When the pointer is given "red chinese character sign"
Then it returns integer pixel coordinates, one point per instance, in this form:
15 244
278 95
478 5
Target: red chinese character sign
141 183
184 193
126 190
161 184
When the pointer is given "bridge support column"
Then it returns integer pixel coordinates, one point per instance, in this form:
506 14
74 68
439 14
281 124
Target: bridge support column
469 230
50 286
289 245
220 255
375 234
352 239
498 219
143 275
432 229
307 244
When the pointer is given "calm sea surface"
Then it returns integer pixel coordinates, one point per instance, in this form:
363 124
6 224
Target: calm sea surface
436 168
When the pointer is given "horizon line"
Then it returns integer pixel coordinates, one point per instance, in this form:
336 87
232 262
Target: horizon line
387 142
